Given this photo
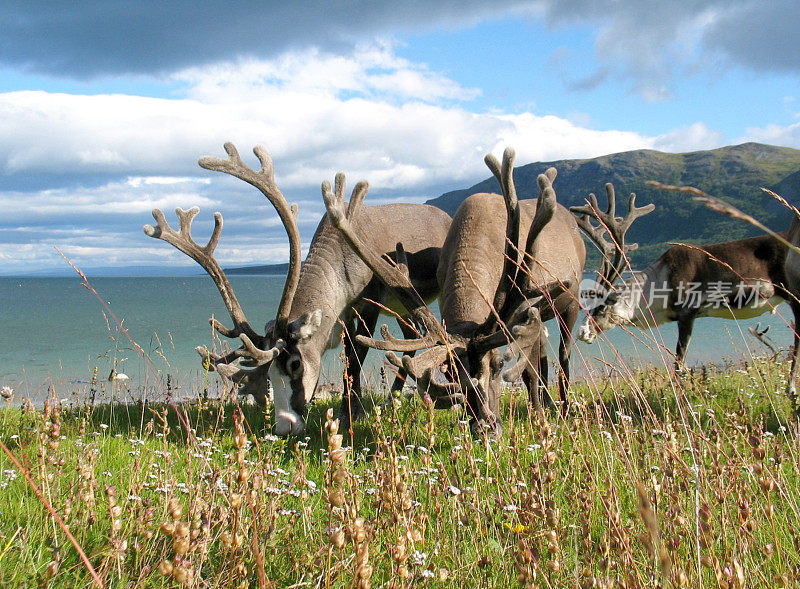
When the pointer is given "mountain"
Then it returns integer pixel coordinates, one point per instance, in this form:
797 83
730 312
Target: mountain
268 269
735 174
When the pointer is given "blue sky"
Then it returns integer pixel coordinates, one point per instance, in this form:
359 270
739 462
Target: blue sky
105 106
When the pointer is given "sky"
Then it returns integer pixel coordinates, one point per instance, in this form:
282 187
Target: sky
106 106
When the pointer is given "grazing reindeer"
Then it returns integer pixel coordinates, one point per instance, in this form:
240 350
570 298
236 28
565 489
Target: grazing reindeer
733 280
333 290
481 259
792 271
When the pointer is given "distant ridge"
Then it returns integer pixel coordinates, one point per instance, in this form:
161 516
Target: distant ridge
268 269
735 173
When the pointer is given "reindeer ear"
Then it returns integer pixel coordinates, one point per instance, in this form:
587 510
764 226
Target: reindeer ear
306 325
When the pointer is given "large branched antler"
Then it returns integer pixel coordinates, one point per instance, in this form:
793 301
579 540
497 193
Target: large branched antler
505 176
614 252
397 279
264 180
255 347
525 289
516 288
342 215
204 255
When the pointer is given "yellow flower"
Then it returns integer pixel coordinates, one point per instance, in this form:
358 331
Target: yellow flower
516 528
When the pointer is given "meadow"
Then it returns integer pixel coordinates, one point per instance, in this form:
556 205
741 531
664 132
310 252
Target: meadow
649 481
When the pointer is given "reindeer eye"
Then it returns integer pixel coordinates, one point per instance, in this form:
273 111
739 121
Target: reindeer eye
294 365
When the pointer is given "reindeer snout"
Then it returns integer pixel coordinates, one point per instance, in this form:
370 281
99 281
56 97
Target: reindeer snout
586 333
289 424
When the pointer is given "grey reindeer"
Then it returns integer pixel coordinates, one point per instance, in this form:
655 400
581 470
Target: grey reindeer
506 267
333 290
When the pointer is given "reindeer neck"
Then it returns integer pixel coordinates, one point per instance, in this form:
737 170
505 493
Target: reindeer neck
328 280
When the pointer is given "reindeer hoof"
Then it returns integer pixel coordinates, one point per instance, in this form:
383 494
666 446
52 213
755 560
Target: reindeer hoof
351 410
483 428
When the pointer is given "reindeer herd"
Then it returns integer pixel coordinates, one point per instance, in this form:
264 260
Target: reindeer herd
500 268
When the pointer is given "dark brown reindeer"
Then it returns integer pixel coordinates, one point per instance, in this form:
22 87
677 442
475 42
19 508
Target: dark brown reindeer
792 272
733 280
331 291
506 267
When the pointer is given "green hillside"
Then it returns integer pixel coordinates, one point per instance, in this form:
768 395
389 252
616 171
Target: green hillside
734 173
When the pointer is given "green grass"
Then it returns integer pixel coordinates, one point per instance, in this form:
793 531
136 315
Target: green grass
647 482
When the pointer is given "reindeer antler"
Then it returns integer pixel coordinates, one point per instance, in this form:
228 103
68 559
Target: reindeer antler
264 180
394 277
204 255
505 176
253 344
614 252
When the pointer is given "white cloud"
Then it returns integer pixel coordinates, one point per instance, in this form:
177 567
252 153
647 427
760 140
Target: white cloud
372 70
788 136
547 138
692 138
131 196
651 42
371 115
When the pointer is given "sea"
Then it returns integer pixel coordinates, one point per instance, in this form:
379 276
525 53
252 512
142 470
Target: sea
60 337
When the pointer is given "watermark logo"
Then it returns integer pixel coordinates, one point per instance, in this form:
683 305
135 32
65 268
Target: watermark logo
592 294
687 295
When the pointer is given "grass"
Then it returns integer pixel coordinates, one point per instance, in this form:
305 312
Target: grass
648 482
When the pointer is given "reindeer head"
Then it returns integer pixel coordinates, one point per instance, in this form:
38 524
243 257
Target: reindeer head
295 372
273 355
621 299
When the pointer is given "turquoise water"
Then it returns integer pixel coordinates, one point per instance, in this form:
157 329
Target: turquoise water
53 332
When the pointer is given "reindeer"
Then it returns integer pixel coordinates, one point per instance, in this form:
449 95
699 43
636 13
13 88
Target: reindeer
733 280
506 267
333 291
791 270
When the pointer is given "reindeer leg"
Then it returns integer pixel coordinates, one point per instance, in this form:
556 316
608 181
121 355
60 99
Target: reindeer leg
352 407
536 374
351 378
402 375
791 386
566 322
544 374
685 326
483 404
